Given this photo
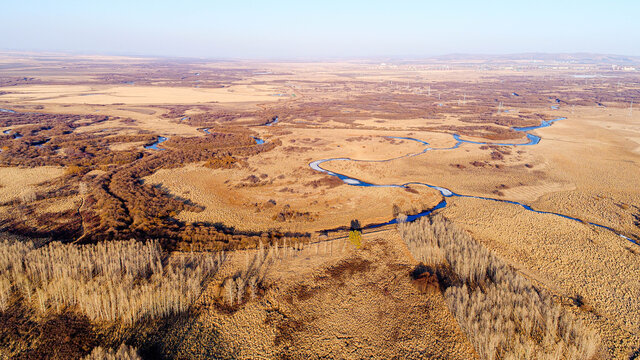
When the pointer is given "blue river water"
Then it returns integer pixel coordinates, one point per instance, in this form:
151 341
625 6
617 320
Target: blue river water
15 134
446 193
154 146
272 121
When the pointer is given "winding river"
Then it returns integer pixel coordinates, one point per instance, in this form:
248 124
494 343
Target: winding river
447 193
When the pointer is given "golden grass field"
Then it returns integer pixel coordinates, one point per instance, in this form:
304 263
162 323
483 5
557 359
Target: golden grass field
334 301
136 95
586 166
17 182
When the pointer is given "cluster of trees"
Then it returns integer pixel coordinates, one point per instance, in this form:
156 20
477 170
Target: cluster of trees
209 118
222 162
502 313
121 281
249 281
522 118
595 95
328 181
172 74
490 132
25 217
288 214
30 118
402 106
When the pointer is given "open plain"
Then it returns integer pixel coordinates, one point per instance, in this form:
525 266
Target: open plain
297 171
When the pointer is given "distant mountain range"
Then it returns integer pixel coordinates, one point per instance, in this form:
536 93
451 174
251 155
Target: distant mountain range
582 58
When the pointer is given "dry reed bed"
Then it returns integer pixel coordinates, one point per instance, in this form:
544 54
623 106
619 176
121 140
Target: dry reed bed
502 313
110 281
248 281
124 352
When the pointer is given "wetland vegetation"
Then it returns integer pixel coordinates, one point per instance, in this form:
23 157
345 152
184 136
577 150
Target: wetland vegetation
162 214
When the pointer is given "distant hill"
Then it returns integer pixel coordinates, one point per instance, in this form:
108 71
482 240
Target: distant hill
582 58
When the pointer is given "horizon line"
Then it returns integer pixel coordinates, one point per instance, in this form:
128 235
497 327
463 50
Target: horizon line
452 56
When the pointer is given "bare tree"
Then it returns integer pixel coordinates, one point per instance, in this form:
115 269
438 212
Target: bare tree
502 313
110 281
124 352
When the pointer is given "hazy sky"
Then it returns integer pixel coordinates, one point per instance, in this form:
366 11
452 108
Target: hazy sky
329 28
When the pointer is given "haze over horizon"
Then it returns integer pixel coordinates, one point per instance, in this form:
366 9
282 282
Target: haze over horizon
292 30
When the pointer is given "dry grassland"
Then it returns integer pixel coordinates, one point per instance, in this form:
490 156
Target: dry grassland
136 95
222 190
332 302
567 258
18 183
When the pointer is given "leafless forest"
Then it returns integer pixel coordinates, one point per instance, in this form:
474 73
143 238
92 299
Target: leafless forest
503 314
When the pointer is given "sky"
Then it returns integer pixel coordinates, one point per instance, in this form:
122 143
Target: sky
305 29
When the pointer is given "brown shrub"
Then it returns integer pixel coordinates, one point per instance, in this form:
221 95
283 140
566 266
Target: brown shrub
76 170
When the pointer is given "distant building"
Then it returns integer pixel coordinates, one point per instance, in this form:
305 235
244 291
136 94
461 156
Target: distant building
622 68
